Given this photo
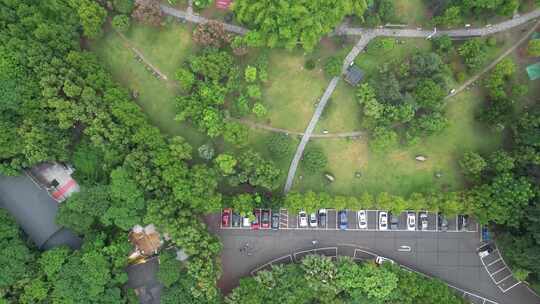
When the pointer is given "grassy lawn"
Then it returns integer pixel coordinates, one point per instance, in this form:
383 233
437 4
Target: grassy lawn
397 171
342 113
165 48
411 12
292 91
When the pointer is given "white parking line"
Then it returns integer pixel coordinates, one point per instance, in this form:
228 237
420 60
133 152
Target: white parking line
506 277
507 289
499 270
494 262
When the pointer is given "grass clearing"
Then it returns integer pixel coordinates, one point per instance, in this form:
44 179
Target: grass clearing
165 47
411 12
292 91
397 171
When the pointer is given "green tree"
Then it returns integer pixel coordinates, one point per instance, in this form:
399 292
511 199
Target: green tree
82 212
92 16
503 200
243 204
259 110
121 23
383 138
123 6
472 165
442 44
226 163
300 22
169 268
534 47
206 151
474 53
332 67
236 133
451 17
254 91
250 73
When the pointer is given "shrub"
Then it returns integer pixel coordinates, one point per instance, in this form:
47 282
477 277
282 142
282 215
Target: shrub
310 64
123 6
333 66
314 160
250 74
254 91
279 145
534 47
491 41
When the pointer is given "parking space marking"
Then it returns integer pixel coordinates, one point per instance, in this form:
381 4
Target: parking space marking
498 270
507 289
494 262
283 218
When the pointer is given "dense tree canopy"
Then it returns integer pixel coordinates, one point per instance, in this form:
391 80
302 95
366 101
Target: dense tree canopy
289 23
318 279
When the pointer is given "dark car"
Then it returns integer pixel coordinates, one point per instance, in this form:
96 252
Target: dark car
226 217
322 218
394 222
463 222
236 219
342 216
265 219
275 221
442 222
255 224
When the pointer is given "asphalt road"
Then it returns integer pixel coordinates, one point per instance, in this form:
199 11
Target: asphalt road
450 257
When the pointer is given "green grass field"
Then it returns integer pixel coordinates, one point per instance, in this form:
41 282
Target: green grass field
411 12
397 171
292 91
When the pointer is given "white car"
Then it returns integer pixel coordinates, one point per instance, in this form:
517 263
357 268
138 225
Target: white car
380 260
246 222
423 221
313 220
302 219
362 219
411 221
383 220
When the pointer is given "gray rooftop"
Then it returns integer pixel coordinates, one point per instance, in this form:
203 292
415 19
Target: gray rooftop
35 211
354 75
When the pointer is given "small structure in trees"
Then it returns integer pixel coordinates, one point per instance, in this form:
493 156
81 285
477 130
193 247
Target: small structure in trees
354 75
146 240
533 71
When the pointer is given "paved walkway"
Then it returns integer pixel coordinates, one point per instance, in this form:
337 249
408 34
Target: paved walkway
191 17
307 134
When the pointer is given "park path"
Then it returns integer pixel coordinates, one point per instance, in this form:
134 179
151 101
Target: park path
366 36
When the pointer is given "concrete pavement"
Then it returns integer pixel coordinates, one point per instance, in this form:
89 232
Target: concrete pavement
450 257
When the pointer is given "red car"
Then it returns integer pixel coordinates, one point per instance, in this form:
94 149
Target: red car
256 222
226 217
265 219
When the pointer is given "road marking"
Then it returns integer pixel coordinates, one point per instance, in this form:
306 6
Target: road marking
508 276
404 248
494 262
507 289
500 269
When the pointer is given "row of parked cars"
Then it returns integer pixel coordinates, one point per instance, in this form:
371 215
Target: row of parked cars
263 219
266 219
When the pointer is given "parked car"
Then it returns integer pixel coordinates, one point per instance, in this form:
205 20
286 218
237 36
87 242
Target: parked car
394 221
265 219
226 217
302 219
313 220
423 221
463 222
342 218
256 223
443 222
486 236
411 221
485 250
246 222
362 219
275 221
236 219
380 260
383 220
322 218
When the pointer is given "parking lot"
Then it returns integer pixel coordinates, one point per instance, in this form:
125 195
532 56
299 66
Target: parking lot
498 271
288 220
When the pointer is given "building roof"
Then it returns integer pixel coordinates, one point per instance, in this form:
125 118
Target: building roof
56 178
146 240
354 75
143 279
35 211
533 71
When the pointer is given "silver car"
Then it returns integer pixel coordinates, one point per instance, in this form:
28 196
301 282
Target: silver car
302 219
